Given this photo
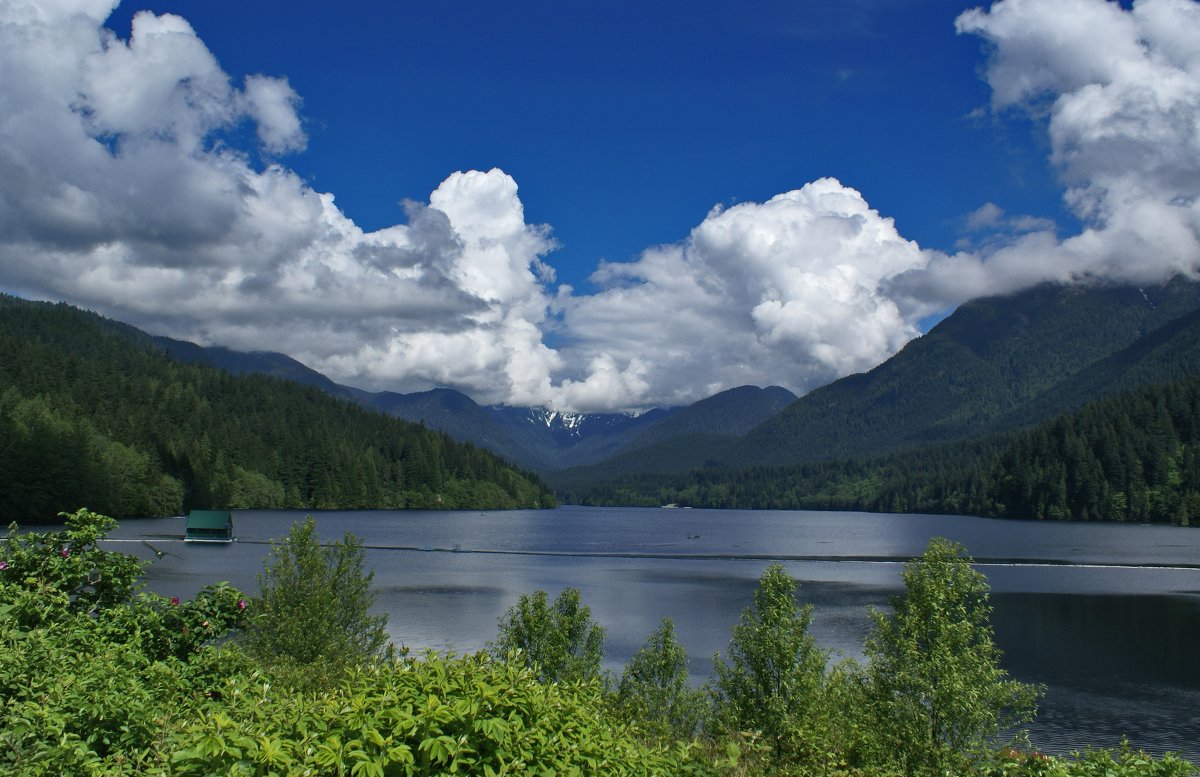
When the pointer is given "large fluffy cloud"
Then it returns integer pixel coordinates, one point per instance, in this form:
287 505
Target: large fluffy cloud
784 292
123 188
120 190
1119 92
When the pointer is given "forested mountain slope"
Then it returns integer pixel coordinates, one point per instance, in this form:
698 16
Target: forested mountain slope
442 409
270 363
1132 457
93 412
1167 354
700 433
988 361
454 413
995 364
534 438
733 412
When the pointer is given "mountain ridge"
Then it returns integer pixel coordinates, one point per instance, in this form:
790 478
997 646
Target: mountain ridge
536 438
95 412
995 364
987 359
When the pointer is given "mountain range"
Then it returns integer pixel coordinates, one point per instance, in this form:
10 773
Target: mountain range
535 438
94 412
995 364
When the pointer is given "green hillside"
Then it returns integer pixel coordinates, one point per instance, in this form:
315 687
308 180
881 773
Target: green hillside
987 363
1169 353
94 412
733 412
982 416
995 365
1133 457
690 437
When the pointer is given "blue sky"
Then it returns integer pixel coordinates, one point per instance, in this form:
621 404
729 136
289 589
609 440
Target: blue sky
595 207
624 123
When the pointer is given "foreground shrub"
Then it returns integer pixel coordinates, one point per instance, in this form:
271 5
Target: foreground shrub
92 677
936 685
66 570
1121 762
774 677
438 715
312 617
655 690
559 641
70 700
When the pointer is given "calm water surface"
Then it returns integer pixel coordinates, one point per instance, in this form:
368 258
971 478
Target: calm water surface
1107 617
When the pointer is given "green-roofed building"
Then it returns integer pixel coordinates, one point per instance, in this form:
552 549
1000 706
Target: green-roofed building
209 526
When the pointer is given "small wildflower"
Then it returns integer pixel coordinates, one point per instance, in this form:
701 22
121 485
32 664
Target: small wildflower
64 552
205 624
3 565
241 604
174 600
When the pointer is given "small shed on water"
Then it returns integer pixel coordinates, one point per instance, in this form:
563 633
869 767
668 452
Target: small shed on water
209 526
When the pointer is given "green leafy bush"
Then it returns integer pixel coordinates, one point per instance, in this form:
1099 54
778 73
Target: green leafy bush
91 677
164 628
312 617
559 641
437 715
1122 762
654 689
774 677
935 679
66 570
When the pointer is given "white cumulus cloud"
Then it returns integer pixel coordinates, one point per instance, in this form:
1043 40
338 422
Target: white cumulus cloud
122 190
783 292
1119 92
117 193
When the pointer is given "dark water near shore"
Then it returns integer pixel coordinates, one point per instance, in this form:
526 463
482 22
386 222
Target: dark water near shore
1106 617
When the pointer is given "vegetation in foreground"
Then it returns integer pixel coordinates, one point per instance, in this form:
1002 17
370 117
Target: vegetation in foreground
97 678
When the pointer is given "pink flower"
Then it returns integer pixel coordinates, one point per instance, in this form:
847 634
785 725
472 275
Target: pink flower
3 565
64 552
241 604
174 600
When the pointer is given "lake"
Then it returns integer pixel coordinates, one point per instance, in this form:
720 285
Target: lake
1107 617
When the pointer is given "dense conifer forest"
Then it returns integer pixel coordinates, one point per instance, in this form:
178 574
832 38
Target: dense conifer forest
996 364
92 412
1134 457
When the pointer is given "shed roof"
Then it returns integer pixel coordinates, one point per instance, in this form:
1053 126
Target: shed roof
209 519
